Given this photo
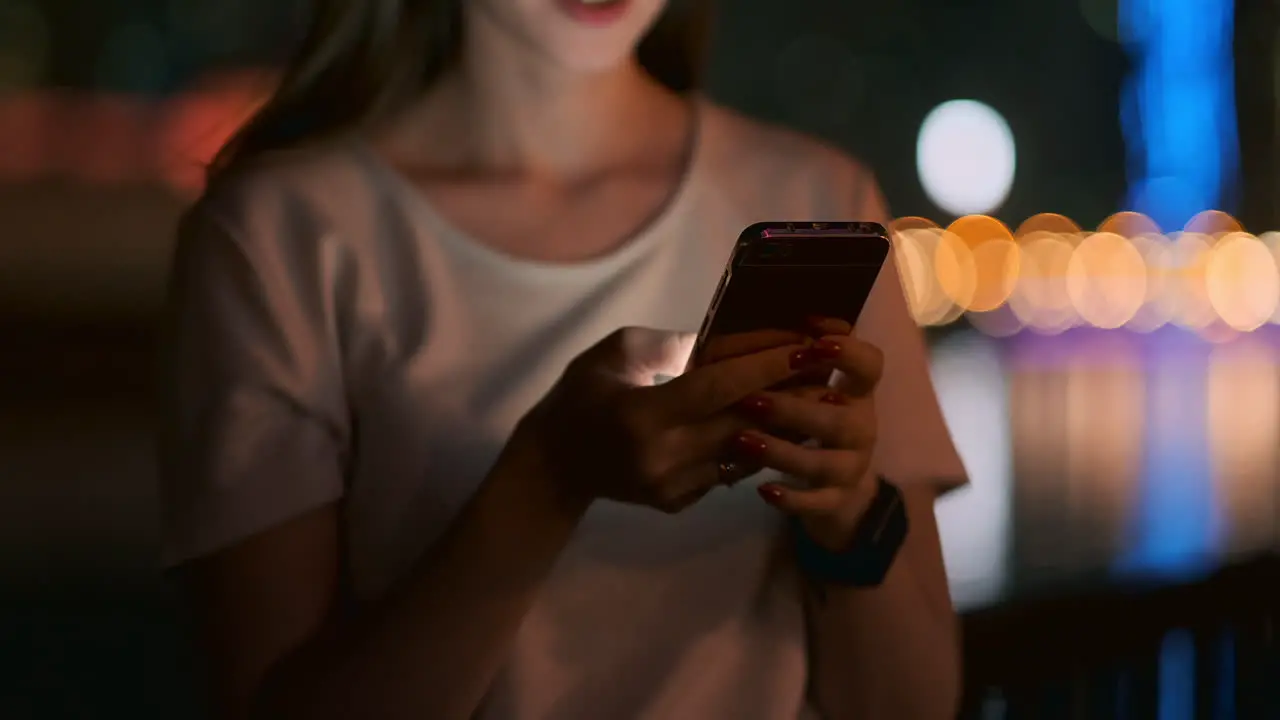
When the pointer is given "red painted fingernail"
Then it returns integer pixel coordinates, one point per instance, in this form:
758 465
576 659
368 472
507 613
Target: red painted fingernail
802 359
832 398
757 407
749 447
826 349
771 494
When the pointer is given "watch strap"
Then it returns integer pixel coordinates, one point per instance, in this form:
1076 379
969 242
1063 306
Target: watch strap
877 538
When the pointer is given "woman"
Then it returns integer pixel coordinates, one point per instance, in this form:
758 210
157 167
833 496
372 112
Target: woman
412 468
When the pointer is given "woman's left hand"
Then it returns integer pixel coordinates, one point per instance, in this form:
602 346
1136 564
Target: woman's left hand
834 487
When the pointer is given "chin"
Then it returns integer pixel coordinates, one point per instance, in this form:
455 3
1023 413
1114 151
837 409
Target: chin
589 58
581 36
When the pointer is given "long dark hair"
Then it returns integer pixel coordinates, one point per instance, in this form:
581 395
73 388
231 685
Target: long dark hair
361 60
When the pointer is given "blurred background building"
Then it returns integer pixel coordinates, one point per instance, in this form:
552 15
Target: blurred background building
1111 380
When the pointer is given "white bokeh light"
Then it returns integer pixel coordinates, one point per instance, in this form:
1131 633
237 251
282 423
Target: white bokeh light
966 158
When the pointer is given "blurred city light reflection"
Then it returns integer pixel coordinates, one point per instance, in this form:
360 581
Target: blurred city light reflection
976 521
1083 446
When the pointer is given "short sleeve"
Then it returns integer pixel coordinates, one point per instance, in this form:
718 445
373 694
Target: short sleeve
253 422
914 443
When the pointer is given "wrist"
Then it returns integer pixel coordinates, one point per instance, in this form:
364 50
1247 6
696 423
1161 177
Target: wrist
838 531
864 557
829 535
525 460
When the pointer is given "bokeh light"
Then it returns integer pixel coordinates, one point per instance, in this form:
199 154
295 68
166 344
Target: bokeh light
930 304
1241 281
1155 312
916 247
1040 297
1271 241
955 269
966 158
1188 293
25 135
1050 276
1047 222
1214 223
1243 422
111 145
201 120
987 247
1106 280
999 322
1129 224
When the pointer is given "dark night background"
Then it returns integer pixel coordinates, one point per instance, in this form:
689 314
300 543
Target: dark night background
1097 456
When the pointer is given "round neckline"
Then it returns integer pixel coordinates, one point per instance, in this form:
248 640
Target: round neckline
637 243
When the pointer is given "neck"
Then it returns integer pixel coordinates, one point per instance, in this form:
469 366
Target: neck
500 110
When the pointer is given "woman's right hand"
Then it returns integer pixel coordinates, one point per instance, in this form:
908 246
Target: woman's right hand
608 430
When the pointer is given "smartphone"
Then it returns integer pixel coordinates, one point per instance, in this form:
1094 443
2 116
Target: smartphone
782 276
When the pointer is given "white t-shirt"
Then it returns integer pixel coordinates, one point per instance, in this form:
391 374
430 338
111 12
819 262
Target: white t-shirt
337 339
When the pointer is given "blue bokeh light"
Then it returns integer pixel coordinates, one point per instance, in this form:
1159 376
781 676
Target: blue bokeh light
1178 117
1178 112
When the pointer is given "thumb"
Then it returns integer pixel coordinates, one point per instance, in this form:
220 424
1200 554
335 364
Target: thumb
639 354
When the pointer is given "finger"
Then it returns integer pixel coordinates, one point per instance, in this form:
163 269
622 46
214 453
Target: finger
860 363
648 352
813 391
710 389
833 419
819 392
723 347
823 326
820 376
639 354
700 457
688 485
805 502
705 442
818 467
685 500
737 472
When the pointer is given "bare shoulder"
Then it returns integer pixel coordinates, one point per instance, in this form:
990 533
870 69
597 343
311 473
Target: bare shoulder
748 152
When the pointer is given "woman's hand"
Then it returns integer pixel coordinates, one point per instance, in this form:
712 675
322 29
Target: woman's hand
607 430
833 489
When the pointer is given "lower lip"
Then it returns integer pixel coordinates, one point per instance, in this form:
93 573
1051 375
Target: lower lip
590 14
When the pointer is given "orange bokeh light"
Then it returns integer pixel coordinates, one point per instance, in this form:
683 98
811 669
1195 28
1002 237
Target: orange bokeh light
1040 298
1106 280
979 266
1241 281
200 121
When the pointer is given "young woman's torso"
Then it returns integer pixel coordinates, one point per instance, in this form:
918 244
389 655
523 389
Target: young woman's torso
446 341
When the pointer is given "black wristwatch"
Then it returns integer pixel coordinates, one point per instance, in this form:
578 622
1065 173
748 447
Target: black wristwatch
877 539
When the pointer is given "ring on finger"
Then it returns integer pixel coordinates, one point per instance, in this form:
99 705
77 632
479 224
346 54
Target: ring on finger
732 472
728 471
834 397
